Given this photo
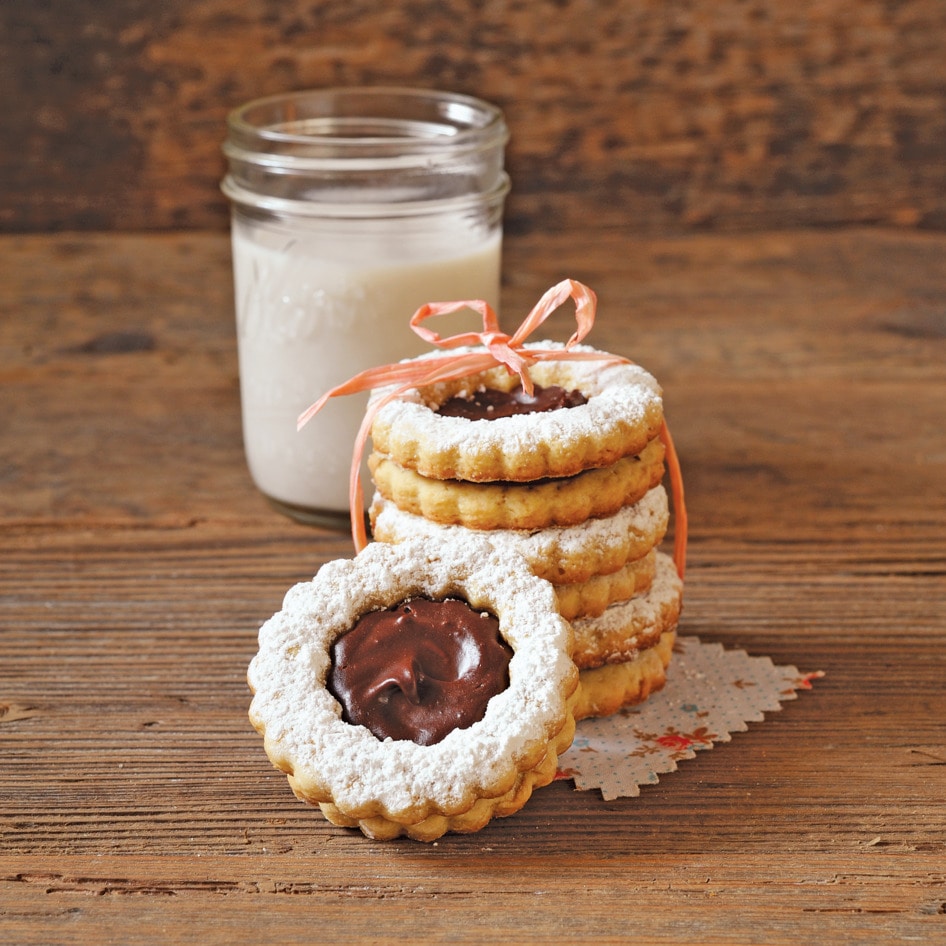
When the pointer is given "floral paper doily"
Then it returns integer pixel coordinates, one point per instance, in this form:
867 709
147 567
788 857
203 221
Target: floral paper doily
709 694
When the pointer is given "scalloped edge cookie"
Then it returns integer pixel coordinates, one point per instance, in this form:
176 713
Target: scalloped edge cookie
560 554
480 813
591 598
396 786
607 689
623 413
628 627
553 502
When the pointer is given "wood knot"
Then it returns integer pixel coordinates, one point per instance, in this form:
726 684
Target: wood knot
13 711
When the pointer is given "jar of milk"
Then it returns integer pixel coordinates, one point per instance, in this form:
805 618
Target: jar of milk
351 208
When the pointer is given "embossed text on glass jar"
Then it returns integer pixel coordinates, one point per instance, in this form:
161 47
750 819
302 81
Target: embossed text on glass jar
350 209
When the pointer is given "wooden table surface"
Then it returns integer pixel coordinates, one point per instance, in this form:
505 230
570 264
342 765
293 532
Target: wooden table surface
804 375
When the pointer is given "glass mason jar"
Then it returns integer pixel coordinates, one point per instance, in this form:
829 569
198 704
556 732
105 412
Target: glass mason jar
351 208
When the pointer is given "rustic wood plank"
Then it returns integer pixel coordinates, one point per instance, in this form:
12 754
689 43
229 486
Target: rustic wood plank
666 898
640 117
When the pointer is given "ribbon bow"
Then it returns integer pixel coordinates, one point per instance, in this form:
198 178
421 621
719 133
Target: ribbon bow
498 349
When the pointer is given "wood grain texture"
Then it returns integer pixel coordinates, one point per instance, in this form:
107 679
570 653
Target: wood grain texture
641 116
804 375
441 896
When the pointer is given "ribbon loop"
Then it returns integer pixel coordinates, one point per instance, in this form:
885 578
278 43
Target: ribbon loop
431 309
585 306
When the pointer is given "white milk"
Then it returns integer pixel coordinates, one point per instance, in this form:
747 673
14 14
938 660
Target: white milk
313 311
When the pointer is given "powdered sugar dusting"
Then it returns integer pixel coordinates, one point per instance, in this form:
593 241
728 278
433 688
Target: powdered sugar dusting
641 612
585 543
334 761
623 400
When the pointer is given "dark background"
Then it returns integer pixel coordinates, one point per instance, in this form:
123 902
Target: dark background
643 116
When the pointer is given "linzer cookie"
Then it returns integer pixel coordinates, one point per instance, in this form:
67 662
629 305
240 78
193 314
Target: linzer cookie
628 627
485 428
560 501
591 565
607 689
593 597
416 689
562 555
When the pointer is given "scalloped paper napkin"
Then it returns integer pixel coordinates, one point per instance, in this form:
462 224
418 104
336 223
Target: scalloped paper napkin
710 693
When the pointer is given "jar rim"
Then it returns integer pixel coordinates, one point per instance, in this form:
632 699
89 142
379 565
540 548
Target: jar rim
368 122
357 209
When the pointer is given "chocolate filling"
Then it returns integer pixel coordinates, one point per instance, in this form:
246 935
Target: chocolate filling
420 669
489 403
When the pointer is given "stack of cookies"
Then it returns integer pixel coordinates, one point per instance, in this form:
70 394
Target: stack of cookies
570 477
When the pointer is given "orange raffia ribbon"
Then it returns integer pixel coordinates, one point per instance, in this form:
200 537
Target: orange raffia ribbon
679 506
498 349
